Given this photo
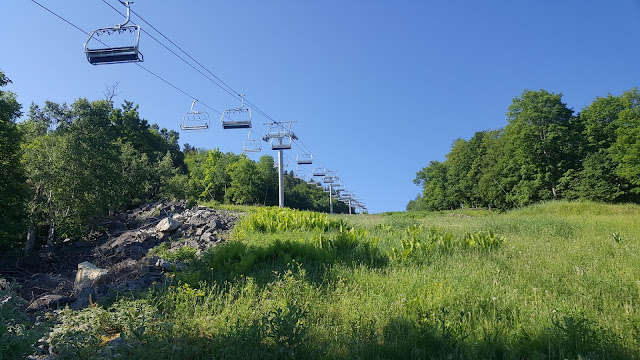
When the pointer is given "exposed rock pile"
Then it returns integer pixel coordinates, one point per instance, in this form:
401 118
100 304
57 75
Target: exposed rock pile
115 258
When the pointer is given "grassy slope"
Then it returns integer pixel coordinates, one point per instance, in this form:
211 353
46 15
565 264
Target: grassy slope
560 287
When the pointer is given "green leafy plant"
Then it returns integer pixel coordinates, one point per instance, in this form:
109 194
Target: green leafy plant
271 220
483 240
616 237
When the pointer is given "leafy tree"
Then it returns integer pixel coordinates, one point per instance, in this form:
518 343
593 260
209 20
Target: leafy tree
433 178
539 137
217 179
267 181
244 181
459 162
88 182
13 193
626 149
598 180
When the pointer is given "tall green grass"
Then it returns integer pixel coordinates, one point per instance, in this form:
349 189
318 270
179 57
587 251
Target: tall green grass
545 282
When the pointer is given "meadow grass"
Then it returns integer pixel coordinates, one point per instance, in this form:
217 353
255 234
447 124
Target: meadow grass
555 283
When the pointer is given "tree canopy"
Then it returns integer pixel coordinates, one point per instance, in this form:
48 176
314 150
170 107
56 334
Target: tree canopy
544 152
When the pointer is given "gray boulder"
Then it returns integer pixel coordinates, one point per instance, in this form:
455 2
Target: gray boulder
89 275
167 225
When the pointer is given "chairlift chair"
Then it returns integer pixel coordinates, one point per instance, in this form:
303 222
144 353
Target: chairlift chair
123 52
285 163
238 118
319 171
299 173
329 178
195 120
304 159
281 143
280 136
250 145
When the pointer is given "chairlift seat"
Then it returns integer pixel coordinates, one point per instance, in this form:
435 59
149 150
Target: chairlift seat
114 55
280 146
202 127
240 124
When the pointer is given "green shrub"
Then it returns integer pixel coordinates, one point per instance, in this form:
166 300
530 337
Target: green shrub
17 335
183 253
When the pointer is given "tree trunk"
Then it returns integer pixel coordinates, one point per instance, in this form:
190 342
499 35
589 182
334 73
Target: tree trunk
52 231
52 221
31 233
31 239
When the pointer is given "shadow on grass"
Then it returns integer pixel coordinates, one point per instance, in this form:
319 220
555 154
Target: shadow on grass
227 262
280 335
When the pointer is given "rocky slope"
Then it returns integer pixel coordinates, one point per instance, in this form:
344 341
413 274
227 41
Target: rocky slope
117 255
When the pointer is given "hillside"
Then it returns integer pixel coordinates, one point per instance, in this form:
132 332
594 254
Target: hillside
551 281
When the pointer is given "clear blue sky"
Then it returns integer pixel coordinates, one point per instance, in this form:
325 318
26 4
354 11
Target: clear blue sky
378 88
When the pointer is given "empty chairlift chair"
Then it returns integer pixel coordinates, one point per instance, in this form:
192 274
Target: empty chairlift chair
238 118
304 159
122 47
299 173
195 120
318 171
276 164
328 178
250 145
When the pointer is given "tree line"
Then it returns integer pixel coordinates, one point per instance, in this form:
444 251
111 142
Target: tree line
64 169
545 152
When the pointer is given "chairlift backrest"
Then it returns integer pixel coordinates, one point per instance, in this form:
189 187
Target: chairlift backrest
238 118
120 50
